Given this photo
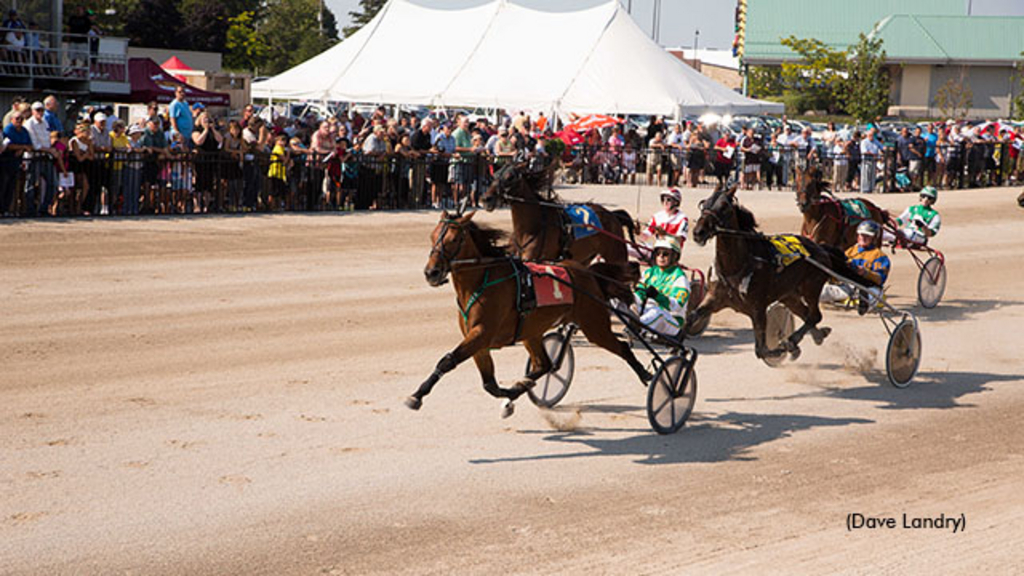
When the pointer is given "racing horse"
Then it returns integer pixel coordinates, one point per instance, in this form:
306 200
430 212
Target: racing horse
486 281
825 218
541 227
749 277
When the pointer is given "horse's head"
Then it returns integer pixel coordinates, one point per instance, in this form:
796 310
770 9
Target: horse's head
506 184
809 187
718 211
451 241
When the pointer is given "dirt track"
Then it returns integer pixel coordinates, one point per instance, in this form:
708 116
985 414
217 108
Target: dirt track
223 395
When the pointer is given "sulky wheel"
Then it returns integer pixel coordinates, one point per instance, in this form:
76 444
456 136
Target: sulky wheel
778 327
552 387
669 401
903 355
931 282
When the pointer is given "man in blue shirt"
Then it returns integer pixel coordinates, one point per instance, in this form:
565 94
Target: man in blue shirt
51 115
181 115
16 141
930 138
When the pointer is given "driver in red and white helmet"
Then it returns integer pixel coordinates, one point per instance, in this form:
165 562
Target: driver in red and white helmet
669 221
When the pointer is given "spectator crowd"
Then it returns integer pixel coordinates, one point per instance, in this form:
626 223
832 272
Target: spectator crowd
180 159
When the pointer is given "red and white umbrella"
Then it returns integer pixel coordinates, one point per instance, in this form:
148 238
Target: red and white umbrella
591 122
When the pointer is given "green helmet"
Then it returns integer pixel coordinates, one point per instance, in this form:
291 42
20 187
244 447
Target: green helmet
930 192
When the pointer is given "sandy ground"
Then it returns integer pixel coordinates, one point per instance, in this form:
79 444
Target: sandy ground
223 396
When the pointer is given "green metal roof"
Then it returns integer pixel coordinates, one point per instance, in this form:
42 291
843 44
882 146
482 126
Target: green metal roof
834 22
945 39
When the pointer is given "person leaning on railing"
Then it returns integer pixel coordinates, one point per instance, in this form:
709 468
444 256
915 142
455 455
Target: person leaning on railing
16 144
82 158
207 141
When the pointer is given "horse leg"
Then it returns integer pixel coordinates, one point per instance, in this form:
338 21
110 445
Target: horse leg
759 319
470 345
485 364
715 300
540 364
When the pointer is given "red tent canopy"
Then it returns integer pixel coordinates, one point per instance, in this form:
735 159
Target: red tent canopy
173 64
151 83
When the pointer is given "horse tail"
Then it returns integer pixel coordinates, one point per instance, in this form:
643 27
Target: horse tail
615 280
840 265
626 220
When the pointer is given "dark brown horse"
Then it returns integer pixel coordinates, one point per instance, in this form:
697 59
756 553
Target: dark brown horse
539 223
484 276
825 219
749 278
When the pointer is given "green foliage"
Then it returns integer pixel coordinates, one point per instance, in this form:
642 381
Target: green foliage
866 93
155 24
820 72
955 98
368 9
246 48
206 27
291 32
1017 89
764 81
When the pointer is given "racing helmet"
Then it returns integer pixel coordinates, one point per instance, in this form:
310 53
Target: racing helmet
868 228
929 192
668 242
674 194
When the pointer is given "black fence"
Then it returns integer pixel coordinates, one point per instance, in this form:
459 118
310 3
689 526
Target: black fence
130 183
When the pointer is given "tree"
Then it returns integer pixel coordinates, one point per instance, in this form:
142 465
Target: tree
369 9
330 25
866 94
955 98
820 73
155 24
291 32
764 81
206 27
1017 89
246 48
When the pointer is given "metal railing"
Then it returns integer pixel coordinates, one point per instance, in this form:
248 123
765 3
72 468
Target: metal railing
170 182
48 55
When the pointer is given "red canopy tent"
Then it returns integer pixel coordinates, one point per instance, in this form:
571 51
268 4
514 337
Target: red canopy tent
152 83
174 64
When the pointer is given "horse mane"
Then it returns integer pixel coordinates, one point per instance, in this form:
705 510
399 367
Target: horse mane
745 219
488 240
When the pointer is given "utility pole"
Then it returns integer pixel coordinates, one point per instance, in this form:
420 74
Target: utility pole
696 41
320 18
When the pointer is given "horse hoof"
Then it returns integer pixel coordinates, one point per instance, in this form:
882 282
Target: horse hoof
525 384
794 353
820 334
413 403
507 408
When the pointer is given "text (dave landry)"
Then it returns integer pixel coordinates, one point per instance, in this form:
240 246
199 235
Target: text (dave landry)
952 523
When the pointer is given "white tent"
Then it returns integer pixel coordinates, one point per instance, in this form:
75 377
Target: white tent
583 56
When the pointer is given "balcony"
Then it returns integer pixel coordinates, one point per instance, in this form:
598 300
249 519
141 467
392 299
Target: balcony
64 62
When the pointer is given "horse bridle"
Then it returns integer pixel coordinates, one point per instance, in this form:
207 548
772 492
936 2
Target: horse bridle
438 248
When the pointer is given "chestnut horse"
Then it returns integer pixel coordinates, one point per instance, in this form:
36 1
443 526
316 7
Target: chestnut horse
749 279
486 289
825 219
540 230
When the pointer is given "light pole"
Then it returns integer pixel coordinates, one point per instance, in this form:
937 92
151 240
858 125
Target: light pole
696 40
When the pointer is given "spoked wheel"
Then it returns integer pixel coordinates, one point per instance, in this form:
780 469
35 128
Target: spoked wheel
552 387
697 292
931 282
778 327
903 355
669 400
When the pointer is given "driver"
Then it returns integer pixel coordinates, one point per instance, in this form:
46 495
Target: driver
670 220
921 221
662 293
867 259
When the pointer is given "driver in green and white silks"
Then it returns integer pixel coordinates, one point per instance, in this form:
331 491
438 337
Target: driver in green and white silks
921 221
662 293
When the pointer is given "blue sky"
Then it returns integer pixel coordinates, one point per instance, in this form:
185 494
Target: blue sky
680 18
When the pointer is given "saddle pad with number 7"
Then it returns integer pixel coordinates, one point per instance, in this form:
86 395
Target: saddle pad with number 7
549 291
583 219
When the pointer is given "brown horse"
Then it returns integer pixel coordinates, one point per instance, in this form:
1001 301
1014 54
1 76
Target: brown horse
825 219
541 230
486 287
749 279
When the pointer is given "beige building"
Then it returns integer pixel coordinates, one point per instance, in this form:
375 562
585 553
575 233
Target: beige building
719 65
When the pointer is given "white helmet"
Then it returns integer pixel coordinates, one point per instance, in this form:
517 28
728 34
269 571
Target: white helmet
930 192
668 242
868 228
674 194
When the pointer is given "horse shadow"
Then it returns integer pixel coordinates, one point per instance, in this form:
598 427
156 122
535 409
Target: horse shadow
723 437
962 309
929 390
